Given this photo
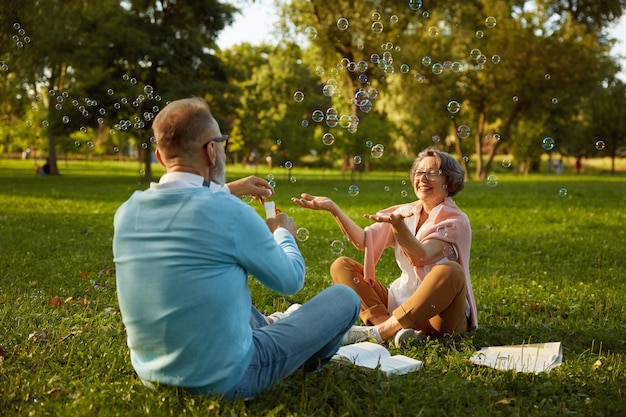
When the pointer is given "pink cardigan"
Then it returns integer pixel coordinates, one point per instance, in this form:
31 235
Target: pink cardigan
445 222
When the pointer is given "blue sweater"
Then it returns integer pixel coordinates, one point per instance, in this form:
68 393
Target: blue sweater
182 258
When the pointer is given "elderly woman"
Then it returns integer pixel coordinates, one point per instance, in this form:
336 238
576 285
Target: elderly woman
431 238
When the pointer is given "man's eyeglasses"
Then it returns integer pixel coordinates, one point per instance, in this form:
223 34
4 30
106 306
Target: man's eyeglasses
431 174
223 138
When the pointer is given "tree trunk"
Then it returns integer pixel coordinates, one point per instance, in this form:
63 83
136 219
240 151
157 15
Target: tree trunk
52 155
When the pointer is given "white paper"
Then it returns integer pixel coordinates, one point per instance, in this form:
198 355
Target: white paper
374 356
532 358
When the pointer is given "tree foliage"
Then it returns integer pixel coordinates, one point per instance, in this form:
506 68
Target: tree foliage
480 79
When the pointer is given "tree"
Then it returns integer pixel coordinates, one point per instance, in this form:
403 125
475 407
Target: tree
271 117
142 51
503 62
607 128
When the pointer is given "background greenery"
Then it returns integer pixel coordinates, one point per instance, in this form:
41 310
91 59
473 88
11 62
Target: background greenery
546 266
85 79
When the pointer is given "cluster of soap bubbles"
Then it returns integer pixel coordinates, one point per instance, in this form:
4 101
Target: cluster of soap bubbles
21 38
87 107
336 246
364 99
438 68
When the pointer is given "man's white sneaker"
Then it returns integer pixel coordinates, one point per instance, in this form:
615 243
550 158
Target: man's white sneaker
406 334
277 315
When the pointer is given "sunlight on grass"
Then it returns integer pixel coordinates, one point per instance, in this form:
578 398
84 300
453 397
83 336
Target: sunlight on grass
545 267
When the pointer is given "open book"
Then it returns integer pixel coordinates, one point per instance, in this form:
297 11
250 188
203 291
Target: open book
534 358
374 356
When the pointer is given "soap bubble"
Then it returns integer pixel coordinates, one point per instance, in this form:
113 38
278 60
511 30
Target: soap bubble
336 247
426 61
310 32
490 22
454 107
404 193
302 234
288 164
492 181
600 145
563 192
357 160
463 131
506 163
298 96
480 34
375 16
343 23
433 31
353 190
547 143
437 68
496 59
377 151
328 139
450 253
317 116
415 4
377 27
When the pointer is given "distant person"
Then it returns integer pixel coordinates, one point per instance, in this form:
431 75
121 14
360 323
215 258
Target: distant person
431 238
558 166
43 170
183 250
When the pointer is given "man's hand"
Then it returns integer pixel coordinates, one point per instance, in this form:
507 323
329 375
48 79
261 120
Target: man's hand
282 220
253 186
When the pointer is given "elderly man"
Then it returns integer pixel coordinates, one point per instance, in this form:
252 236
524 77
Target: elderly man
183 250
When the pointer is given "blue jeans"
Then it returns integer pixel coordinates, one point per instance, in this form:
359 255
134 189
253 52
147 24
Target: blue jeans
307 339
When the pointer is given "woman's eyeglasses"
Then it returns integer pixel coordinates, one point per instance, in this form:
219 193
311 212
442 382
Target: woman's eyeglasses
431 174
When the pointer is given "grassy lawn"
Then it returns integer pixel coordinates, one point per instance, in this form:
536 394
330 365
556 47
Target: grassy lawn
548 264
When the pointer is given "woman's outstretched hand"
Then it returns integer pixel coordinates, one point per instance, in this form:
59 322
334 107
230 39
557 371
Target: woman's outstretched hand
314 202
394 218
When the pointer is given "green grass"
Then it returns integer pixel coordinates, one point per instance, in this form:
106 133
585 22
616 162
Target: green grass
544 267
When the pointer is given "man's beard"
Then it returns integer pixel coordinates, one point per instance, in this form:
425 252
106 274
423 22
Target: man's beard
218 172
